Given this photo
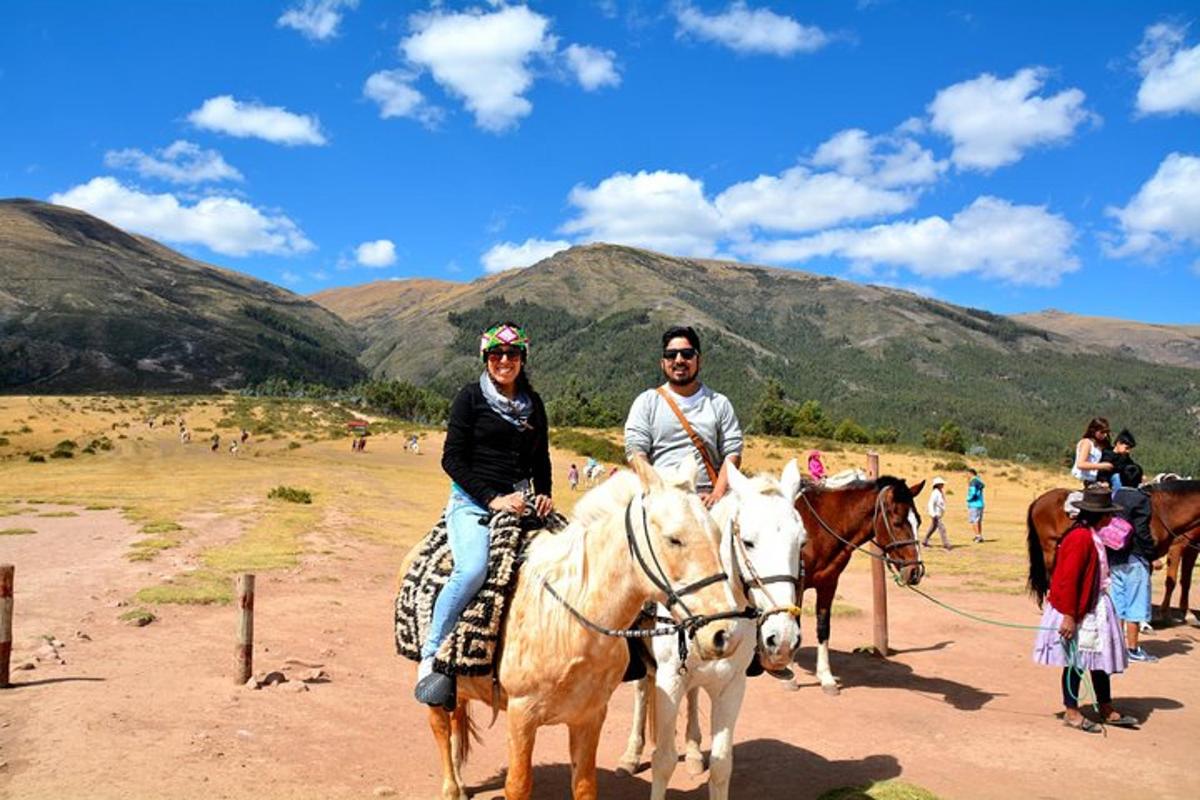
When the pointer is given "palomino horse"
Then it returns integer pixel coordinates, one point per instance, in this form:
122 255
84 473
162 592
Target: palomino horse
761 536
840 521
1174 524
635 538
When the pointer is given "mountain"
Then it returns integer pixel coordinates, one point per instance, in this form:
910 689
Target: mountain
1177 345
85 306
885 357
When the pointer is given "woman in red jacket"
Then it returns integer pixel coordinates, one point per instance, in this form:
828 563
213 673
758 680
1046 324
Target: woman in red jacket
1080 629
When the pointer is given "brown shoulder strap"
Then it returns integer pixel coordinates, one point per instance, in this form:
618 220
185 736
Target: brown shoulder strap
695 437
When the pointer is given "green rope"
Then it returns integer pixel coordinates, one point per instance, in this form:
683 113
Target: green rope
1071 647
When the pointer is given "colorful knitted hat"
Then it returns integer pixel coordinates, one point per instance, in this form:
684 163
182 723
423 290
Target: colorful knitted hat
506 333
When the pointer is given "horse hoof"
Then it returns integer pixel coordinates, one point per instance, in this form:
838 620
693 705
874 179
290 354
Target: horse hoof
831 689
694 765
627 769
790 686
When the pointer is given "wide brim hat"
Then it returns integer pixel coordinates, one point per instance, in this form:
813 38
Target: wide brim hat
938 482
1098 501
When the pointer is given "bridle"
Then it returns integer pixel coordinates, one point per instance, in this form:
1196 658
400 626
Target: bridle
739 555
684 628
896 565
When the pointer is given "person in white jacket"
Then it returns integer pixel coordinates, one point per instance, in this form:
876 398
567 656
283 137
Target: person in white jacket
937 509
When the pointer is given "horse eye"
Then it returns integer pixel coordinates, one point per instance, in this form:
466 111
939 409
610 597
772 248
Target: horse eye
675 541
749 544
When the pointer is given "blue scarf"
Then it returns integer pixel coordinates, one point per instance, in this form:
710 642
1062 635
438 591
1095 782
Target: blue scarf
516 411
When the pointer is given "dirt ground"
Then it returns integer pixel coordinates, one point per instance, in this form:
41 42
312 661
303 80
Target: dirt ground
153 712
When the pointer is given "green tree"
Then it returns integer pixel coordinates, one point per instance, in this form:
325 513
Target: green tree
773 414
949 438
850 431
575 408
810 420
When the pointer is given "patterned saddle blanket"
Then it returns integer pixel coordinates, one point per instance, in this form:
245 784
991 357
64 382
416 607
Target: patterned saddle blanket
472 648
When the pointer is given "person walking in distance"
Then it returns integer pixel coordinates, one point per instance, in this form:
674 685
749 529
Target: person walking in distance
975 505
937 510
684 419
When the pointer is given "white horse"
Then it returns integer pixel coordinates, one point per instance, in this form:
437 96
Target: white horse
761 537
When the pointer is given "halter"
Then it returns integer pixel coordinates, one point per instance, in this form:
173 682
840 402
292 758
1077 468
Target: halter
684 628
738 548
894 564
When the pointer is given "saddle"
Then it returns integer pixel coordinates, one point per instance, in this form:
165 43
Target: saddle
473 647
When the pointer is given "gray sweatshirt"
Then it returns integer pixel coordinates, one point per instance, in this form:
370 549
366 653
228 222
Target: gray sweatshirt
653 430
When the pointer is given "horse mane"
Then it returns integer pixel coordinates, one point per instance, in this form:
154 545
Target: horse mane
897 485
561 558
1173 487
766 485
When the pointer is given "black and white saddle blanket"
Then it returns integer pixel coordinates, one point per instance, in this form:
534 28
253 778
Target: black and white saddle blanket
473 646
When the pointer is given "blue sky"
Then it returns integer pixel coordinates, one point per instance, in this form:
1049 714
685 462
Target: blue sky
1007 155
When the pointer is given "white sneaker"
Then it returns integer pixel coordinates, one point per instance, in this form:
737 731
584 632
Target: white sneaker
1146 627
425 668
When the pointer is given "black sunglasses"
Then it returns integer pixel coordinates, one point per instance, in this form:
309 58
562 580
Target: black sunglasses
688 353
513 353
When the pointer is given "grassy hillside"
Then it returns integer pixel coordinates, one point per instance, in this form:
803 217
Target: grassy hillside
882 356
85 306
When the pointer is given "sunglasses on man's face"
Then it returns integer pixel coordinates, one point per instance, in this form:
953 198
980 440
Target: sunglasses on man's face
688 353
511 353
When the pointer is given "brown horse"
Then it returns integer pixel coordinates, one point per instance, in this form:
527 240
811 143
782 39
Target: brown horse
840 521
634 538
1174 524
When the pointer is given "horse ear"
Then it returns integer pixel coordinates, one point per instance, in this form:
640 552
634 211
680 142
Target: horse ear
789 482
685 475
650 479
738 482
916 488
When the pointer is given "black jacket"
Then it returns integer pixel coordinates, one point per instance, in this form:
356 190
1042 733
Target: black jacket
487 455
1136 505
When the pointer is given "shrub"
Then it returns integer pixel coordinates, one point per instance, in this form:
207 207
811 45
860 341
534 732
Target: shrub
949 438
3 441
293 446
588 445
953 465
37 458
850 431
65 444
62 454
290 494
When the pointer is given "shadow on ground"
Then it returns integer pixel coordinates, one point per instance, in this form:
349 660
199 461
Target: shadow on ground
856 670
764 769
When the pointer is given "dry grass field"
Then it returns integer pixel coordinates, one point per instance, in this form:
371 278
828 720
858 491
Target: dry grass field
134 525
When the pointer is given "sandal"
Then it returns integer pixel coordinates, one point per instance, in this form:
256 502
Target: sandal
1085 725
1122 721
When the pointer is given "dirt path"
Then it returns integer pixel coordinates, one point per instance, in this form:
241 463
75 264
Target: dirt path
152 712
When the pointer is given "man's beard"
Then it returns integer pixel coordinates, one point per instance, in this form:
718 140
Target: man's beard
693 377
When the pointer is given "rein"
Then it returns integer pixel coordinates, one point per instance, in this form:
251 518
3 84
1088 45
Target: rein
684 628
894 564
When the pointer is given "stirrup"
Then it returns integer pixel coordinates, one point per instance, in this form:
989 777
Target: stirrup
436 689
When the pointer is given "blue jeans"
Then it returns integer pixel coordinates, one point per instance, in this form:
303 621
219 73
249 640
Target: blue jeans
469 541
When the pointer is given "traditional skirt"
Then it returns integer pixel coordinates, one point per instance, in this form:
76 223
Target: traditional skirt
1099 640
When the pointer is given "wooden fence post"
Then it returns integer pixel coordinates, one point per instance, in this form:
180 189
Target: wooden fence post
6 615
878 576
245 631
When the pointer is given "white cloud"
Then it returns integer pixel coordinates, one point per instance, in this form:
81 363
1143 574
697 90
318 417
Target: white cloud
888 161
224 114
749 30
1170 72
376 254
393 91
992 238
224 225
992 121
290 278
316 19
664 211
1165 212
510 255
801 200
179 162
484 58
593 68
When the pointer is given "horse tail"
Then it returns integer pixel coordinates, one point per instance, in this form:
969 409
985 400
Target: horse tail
466 730
1039 578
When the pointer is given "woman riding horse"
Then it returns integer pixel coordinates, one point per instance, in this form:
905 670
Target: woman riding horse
497 451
